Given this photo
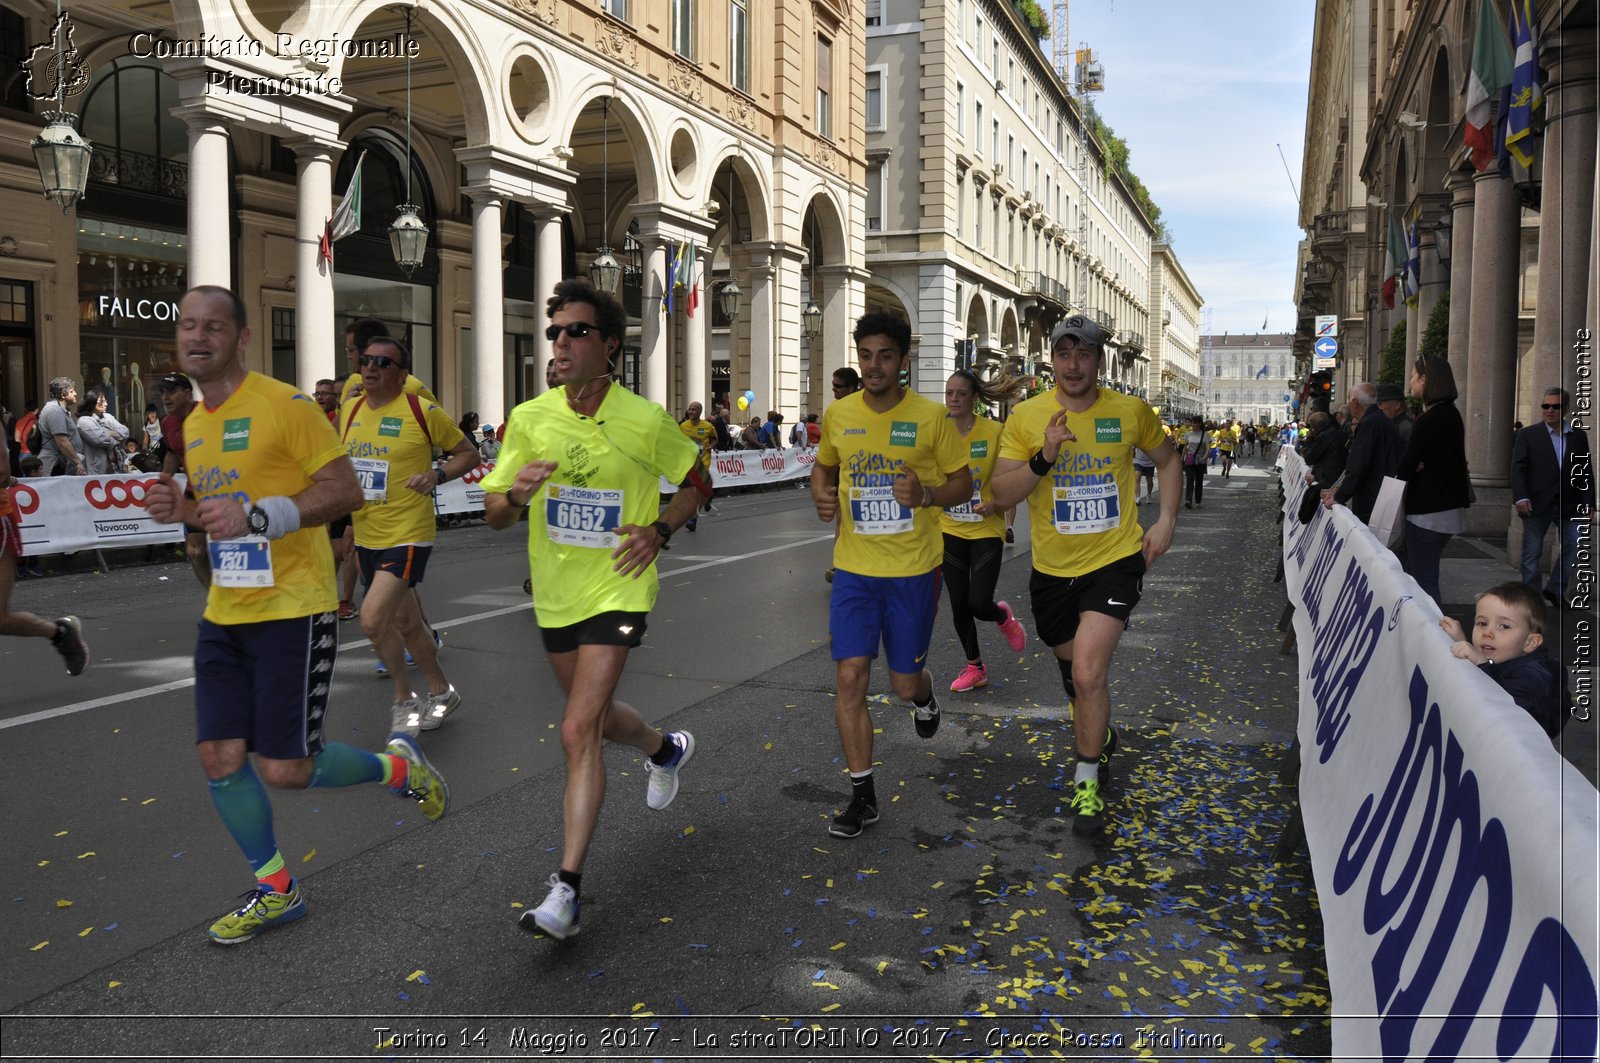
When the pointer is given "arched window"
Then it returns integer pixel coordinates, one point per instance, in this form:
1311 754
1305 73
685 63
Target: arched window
138 144
383 181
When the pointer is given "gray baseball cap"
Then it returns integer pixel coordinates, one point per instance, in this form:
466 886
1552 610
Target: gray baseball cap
1081 328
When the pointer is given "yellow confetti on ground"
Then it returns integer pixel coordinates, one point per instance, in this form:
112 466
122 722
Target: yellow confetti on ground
41 863
89 853
830 1007
61 834
836 948
39 946
767 746
936 885
517 904
86 931
63 904
666 919
148 801
112 985
415 975
882 966
306 859
688 830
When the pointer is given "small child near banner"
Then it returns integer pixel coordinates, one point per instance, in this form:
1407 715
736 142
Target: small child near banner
1506 645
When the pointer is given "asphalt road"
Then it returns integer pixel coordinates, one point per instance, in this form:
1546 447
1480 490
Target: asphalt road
969 922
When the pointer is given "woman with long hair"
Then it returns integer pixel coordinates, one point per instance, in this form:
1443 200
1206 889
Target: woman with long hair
1434 468
974 531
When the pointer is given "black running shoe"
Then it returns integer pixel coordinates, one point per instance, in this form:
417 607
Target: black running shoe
926 717
853 820
68 642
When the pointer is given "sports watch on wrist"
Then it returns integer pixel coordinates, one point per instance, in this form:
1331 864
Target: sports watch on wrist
664 530
257 519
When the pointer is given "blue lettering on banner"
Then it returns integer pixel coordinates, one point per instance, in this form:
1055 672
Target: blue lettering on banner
1344 647
1448 823
1316 578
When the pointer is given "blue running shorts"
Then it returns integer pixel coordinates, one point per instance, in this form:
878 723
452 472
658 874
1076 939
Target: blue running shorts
898 609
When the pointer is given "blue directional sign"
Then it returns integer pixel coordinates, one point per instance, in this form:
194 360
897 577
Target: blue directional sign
1326 347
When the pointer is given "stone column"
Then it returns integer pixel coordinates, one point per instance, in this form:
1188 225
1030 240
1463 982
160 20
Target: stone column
488 395
1565 210
652 325
763 314
210 259
546 267
1459 186
315 333
1492 338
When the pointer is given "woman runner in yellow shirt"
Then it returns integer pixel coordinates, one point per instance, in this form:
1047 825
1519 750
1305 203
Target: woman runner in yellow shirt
974 530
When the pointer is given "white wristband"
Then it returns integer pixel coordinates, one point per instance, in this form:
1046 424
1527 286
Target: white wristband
283 516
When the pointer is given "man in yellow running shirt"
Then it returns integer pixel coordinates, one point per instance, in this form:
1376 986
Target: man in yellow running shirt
266 470
1069 452
888 461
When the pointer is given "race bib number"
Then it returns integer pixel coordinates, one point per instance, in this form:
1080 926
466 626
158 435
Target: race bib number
373 473
1086 509
582 516
964 512
874 511
243 562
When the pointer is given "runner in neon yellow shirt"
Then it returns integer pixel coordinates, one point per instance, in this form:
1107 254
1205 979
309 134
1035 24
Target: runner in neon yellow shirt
267 470
586 460
888 460
1069 452
703 434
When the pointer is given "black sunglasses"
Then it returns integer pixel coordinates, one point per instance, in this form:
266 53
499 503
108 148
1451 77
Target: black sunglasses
575 329
1552 406
382 361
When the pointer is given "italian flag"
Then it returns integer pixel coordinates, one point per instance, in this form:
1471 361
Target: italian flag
1491 71
1394 260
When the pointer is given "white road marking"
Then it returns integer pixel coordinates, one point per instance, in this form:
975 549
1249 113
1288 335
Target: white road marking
489 614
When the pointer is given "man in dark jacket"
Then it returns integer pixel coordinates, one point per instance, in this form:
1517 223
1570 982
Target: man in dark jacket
1325 453
1552 482
1392 401
1374 453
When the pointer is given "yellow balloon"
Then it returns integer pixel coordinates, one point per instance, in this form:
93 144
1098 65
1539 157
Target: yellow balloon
744 403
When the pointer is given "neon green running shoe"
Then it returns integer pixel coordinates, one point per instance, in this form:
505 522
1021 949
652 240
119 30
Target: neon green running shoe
1090 808
263 908
424 785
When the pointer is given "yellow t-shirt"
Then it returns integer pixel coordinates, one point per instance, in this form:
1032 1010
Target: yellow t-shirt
983 446
412 386
880 537
608 473
387 446
1081 513
703 435
266 439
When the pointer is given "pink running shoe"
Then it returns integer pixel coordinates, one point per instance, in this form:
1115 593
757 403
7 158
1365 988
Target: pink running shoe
972 677
1011 628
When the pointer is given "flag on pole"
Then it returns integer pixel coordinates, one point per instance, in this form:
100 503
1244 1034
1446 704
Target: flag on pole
1491 71
346 216
1411 276
1394 258
666 291
690 282
1261 372
1524 96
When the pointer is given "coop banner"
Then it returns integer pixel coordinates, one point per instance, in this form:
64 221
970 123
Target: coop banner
1454 849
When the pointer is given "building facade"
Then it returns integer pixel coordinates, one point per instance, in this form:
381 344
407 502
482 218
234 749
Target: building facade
532 135
990 215
1174 337
1516 252
1246 378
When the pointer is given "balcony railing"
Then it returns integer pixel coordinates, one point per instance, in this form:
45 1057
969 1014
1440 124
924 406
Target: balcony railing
137 172
1328 234
1046 288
